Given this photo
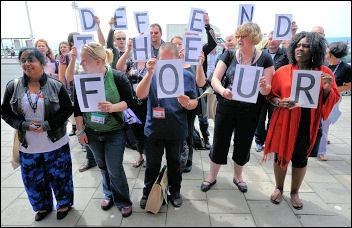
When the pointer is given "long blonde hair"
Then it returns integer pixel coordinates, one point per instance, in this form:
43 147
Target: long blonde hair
96 51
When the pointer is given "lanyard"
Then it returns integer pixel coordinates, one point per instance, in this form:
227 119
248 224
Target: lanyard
140 72
336 68
254 55
154 56
35 105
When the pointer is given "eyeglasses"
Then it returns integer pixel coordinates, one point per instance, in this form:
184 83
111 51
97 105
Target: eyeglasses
30 60
242 37
121 38
155 33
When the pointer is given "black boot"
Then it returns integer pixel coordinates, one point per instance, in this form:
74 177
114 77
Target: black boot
73 132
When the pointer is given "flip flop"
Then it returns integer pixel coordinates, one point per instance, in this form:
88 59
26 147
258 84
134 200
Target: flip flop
136 165
240 187
323 157
277 195
296 200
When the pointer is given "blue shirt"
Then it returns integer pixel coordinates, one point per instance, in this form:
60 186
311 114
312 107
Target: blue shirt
174 126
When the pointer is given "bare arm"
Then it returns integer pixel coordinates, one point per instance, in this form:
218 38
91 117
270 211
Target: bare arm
345 87
70 71
62 71
100 33
265 81
143 87
200 75
216 80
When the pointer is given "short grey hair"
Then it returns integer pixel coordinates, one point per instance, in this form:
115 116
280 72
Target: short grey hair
170 46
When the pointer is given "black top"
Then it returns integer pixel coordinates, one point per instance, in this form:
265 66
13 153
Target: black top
229 58
342 74
123 86
280 58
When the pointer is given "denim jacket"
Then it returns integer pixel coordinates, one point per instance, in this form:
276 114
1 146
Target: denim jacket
57 105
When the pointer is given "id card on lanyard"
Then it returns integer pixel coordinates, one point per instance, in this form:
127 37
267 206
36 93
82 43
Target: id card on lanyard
159 112
97 118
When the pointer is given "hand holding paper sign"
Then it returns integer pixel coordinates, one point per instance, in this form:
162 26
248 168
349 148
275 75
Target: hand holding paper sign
183 100
129 44
111 22
294 28
73 54
327 81
227 94
151 64
105 106
97 21
206 18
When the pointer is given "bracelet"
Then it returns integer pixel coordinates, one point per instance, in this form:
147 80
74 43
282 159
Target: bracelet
80 132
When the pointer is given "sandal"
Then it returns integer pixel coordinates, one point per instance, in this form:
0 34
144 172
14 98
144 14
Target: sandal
323 157
138 164
276 197
296 201
242 188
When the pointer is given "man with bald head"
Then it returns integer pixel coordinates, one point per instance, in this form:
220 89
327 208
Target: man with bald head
230 42
320 30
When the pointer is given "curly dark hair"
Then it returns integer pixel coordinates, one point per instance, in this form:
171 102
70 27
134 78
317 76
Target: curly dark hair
338 49
317 48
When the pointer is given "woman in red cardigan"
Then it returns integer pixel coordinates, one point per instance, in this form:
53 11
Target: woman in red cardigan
293 130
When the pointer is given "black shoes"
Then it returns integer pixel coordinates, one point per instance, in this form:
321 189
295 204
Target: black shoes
188 167
205 187
143 202
242 188
176 199
207 145
62 214
39 216
85 166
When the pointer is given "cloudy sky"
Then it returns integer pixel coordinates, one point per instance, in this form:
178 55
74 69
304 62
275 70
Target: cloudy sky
53 21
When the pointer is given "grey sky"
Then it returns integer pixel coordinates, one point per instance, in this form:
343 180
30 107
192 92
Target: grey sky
53 21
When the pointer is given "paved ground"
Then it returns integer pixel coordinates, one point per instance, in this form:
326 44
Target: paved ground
326 190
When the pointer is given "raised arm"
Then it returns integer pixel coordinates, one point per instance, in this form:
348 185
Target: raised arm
100 33
70 71
121 64
143 87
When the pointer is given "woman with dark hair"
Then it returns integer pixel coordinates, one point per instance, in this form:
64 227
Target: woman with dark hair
293 130
38 106
342 72
51 67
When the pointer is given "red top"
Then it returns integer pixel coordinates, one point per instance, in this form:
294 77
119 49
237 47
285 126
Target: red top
284 123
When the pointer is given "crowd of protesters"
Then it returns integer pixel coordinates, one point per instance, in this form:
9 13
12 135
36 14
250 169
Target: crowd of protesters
39 104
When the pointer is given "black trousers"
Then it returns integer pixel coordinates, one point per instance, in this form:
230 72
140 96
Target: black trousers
154 151
191 116
261 132
241 118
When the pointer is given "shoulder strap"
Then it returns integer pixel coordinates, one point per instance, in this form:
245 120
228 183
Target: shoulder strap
15 82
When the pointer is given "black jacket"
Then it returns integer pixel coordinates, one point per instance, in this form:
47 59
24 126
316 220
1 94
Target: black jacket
57 105
280 58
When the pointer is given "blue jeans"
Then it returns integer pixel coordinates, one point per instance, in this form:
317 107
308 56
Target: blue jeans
108 149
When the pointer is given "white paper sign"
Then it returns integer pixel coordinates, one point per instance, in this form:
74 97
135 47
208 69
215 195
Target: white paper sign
305 88
142 21
196 21
282 29
141 48
193 45
90 91
80 41
169 78
120 19
245 85
245 14
87 19
50 68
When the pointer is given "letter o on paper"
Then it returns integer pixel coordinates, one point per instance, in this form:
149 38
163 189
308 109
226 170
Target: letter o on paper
163 68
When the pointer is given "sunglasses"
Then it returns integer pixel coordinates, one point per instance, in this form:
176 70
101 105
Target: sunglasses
30 60
121 38
242 37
